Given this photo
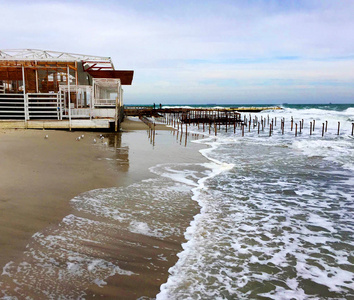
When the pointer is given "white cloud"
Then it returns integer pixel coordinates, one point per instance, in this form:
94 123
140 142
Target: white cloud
245 42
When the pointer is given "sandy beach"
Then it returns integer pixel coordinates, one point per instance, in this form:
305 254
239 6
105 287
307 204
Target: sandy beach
39 176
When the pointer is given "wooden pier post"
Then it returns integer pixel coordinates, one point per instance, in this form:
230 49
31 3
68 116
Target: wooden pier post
301 125
249 125
295 129
153 136
310 128
243 129
326 126
292 124
282 127
216 128
323 128
338 128
275 121
352 129
313 129
258 127
234 125
270 129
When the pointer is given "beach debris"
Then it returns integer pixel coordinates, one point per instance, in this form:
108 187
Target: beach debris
46 137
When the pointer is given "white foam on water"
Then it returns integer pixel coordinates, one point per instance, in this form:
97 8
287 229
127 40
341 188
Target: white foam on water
143 228
60 263
64 260
277 224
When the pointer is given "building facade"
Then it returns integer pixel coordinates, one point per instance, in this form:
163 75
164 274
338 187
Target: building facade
50 85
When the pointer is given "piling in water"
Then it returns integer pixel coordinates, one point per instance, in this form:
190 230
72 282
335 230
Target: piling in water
295 129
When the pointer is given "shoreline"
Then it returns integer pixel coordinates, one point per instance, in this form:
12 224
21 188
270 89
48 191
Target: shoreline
55 170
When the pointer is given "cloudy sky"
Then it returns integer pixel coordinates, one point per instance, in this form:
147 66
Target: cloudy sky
206 51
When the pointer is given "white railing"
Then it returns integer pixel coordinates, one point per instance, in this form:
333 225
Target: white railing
12 106
105 102
77 113
42 106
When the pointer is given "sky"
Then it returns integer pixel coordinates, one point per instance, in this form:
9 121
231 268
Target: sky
201 52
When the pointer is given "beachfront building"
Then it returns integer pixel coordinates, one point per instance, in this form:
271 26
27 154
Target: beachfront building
71 90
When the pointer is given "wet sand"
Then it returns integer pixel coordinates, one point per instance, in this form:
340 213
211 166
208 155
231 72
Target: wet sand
39 177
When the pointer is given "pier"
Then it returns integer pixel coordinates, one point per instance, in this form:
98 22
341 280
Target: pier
219 116
227 120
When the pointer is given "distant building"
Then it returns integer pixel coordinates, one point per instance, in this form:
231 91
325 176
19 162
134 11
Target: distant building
49 85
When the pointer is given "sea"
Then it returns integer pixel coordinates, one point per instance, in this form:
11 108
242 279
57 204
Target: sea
275 217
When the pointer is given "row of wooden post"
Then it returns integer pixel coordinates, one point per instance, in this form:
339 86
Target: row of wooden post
261 125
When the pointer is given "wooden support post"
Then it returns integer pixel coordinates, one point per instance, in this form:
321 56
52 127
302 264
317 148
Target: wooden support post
249 125
338 128
313 128
243 129
216 128
323 128
292 124
259 125
301 126
326 126
295 129
275 121
153 136
270 129
310 128
69 97
282 127
352 129
235 126
302 123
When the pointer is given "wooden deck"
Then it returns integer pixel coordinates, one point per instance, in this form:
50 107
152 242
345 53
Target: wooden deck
222 116
55 124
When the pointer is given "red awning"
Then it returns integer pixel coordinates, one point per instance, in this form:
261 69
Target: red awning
126 77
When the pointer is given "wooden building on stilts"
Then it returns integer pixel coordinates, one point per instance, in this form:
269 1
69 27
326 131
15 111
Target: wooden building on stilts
52 89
